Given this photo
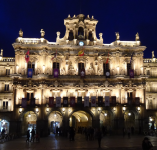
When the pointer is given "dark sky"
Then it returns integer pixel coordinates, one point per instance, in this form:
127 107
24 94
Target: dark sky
124 16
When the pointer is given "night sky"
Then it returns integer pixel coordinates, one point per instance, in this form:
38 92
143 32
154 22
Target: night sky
124 16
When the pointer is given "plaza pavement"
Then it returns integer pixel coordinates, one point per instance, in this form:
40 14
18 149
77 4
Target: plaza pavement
62 143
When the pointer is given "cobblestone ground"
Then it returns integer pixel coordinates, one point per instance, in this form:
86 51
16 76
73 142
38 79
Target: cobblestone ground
55 142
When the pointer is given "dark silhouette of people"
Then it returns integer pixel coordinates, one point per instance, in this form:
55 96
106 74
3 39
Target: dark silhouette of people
28 136
33 134
99 134
146 144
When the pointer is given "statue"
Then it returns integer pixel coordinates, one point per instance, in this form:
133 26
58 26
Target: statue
42 33
137 37
153 54
117 36
91 69
71 69
20 33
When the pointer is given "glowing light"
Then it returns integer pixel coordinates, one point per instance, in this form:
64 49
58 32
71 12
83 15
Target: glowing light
124 108
29 115
105 114
129 114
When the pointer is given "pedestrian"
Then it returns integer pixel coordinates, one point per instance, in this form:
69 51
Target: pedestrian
128 132
123 131
99 135
33 134
146 144
28 135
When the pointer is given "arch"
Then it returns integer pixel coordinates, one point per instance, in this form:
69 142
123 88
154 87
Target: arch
55 120
71 35
90 36
81 33
28 119
106 119
80 118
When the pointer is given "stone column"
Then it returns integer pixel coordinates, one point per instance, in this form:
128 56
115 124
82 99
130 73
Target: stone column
96 119
65 122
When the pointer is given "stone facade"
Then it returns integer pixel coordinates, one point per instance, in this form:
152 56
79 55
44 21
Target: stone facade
14 84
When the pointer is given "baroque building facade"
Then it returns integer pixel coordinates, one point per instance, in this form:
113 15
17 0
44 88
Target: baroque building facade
132 101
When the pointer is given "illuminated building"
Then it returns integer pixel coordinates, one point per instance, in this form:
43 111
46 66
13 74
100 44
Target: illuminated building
132 101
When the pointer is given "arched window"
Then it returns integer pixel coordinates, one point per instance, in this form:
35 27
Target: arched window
71 36
81 33
56 66
90 36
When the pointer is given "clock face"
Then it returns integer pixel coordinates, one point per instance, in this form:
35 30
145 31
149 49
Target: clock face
81 43
107 73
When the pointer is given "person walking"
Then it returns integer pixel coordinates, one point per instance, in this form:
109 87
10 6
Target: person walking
146 144
33 134
128 132
28 136
99 135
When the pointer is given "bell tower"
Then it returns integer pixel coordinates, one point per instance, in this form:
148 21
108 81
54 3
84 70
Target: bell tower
79 28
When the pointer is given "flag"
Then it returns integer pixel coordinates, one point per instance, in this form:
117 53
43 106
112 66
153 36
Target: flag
131 58
93 101
65 101
137 100
113 100
51 101
100 100
55 73
29 73
86 101
27 56
58 101
81 52
33 102
55 56
72 101
82 73
107 59
107 101
79 101
131 72
24 102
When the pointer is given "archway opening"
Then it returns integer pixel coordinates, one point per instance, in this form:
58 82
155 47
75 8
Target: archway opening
80 120
71 35
129 118
81 33
106 123
28 122
55 122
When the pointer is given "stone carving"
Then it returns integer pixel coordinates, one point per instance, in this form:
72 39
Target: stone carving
100 71
42 33
71 69
117 36
33 117
63 71
106 84
153 56
38 71
20 33
56 83
91 69
48 71
137 37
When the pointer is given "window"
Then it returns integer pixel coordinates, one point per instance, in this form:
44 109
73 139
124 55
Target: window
80 66
71 36
90 36
32 95
5 104
27 96
105 67
128 68
7 71
80 33
148 72
56 66
6 87
32 65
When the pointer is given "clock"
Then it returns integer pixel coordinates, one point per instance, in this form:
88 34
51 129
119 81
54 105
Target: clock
81 43
107 74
